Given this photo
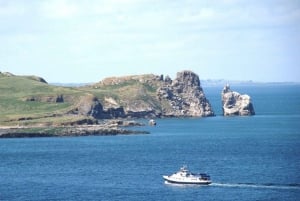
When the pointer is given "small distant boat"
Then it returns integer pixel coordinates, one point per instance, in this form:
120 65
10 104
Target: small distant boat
184 176
152 122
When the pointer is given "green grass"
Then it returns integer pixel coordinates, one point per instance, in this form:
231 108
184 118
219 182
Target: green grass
15 90
128 90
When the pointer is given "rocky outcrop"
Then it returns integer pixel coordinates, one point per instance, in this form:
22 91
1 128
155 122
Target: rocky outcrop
132 109
103 129
152 96
89 105
236 104
113 112
140 109
184 96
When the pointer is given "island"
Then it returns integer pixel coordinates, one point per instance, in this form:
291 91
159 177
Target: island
30 107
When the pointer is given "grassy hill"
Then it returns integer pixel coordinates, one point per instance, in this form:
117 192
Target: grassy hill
17 107
29 100
128 90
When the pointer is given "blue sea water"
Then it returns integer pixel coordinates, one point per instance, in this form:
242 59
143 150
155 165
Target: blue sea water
248 158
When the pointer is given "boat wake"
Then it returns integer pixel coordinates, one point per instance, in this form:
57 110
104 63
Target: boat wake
254 185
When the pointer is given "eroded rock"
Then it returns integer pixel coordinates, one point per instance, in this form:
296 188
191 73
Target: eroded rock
236 104
185 96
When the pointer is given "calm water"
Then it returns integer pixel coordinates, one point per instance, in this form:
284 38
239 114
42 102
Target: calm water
248 158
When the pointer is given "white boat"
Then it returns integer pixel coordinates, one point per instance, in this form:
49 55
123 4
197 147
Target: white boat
152 122
184 176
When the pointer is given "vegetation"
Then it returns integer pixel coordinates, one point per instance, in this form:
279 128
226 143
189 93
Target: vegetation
29 100
127 91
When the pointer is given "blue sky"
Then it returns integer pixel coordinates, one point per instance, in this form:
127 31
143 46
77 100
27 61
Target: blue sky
88 40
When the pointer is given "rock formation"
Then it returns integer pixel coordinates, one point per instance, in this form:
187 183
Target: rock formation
236 104
152 96
184 96
89 105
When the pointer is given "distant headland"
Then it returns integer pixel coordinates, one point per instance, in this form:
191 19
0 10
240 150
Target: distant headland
30 102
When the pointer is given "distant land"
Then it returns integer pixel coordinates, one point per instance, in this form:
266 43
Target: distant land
223 82
204 83
39 109
29 106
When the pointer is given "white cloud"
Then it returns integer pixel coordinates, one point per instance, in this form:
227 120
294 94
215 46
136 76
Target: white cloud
137 33
203 14
57 9
10 9
240 14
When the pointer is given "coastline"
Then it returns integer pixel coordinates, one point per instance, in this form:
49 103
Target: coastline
105 129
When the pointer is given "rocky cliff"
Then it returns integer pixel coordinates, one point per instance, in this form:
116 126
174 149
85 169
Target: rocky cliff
236 104
184 96
149 96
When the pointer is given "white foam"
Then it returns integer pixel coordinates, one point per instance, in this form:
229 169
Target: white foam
247 185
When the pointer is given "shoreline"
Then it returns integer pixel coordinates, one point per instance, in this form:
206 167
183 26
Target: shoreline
105 129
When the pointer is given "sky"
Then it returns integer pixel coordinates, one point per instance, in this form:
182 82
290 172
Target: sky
82 41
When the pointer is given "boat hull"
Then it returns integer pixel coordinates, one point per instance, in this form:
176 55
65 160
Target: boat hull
197 182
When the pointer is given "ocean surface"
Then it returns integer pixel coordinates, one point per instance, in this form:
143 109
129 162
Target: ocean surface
248 158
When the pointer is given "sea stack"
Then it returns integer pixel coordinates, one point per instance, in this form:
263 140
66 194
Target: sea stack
184 96
236 104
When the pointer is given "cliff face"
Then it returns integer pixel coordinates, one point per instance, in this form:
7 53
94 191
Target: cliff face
89 105
236 104
184 96
150 96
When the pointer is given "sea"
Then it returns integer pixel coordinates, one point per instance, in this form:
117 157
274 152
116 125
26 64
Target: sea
248 158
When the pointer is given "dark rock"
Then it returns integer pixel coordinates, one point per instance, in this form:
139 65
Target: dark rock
125 123
59 99
46 99
112 112
161 78
168 80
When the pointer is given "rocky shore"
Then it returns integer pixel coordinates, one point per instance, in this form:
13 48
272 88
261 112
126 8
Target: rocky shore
114 127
